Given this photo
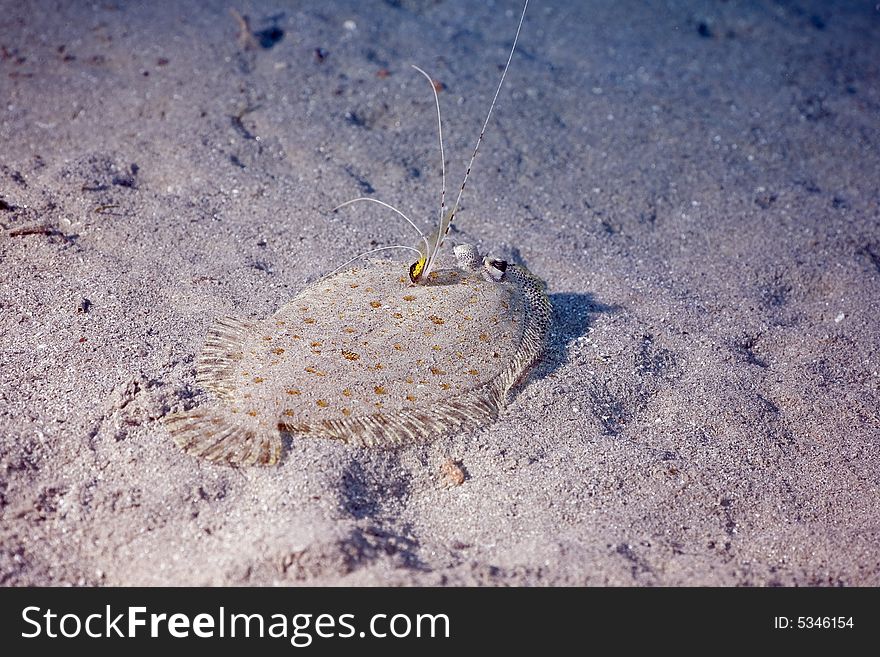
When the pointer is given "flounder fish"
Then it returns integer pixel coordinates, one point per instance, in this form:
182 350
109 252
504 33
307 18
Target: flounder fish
367 358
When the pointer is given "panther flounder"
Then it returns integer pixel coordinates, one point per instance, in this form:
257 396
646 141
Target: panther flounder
367 358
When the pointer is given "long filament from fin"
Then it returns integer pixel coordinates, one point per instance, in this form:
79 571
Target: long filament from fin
365 253
390 207
440 136
436 241
491 107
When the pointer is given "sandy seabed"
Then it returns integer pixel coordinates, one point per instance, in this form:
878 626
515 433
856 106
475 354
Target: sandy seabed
697 182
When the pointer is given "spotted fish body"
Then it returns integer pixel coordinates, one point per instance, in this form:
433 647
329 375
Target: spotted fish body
365 357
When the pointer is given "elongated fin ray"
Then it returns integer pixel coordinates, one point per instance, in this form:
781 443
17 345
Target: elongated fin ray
366 253
435 242
491 107
384 204
425 264
440 137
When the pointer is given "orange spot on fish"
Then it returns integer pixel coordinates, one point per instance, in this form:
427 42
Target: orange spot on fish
350 355
409 297
379 390
436 371
435 319
309 320
278 351
346 392
375 304
258 379
322 403
293 391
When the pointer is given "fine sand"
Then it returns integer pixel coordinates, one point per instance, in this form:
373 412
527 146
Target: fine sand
697 183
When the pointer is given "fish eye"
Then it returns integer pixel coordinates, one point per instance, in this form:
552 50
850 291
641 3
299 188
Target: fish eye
495 268
415 271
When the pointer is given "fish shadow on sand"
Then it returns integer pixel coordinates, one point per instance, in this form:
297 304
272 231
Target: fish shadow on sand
365 491
573 314
375 491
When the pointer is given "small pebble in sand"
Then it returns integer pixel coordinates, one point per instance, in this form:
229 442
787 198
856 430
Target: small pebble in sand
840 317
83 306
452 472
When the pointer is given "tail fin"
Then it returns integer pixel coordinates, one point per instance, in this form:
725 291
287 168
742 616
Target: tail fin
219 438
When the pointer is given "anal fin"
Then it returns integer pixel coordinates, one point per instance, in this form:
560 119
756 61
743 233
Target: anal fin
212 434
